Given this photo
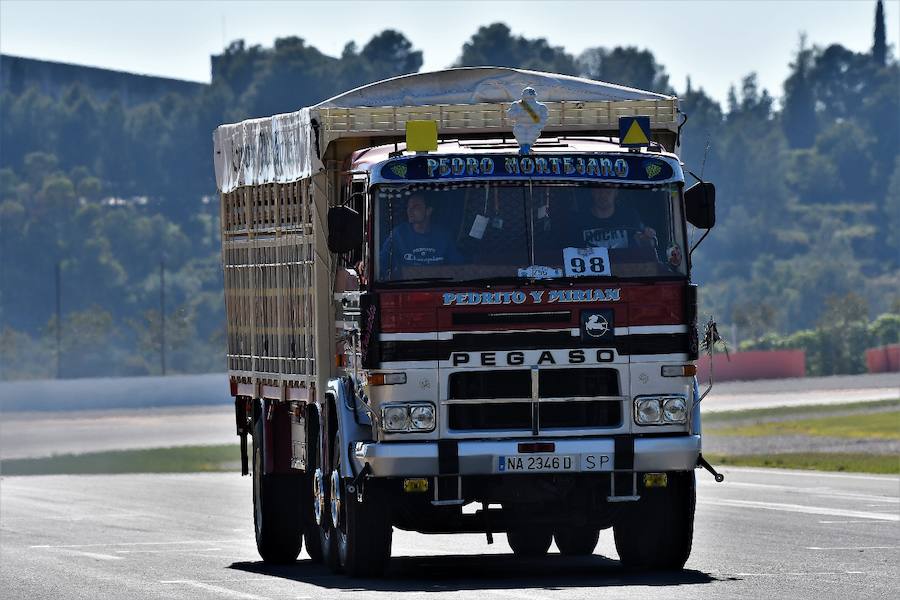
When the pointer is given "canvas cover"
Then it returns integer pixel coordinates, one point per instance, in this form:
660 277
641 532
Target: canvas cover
286 147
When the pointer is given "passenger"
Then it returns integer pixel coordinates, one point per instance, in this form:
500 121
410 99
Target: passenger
418 242
606 224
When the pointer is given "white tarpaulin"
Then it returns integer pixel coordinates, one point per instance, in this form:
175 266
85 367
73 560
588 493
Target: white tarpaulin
287 147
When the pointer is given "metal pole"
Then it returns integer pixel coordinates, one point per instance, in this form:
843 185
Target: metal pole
162 315
58 320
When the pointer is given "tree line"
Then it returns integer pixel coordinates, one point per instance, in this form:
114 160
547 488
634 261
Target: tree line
808 187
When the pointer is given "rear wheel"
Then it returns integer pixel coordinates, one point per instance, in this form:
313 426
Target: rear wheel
529 542
658 531
277 500
573 541
363 529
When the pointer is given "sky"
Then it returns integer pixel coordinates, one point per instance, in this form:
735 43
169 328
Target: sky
716 42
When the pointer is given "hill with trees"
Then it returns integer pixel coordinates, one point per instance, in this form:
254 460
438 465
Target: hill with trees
808 233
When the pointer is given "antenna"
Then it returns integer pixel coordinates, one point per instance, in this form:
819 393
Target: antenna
705 154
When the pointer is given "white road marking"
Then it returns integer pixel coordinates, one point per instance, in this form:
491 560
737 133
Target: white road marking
797 472
96 555
167 551
818 491
841 522
204 542
218 590
800 508
853 548
231 580
808 574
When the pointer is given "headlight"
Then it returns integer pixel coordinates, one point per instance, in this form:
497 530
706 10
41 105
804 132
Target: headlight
674 410
660 410
395 418
413 418
647 411
422 417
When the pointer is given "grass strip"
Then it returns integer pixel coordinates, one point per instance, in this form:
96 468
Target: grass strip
795 411
878 425
181 459
813 461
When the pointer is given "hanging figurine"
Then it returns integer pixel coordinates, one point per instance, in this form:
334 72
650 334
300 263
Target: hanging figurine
529 117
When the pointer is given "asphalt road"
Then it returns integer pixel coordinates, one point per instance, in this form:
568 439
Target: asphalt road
761 534
42 433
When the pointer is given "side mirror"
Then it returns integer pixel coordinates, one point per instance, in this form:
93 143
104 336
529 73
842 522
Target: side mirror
700 205
345 229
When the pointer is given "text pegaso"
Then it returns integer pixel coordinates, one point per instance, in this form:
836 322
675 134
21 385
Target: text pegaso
524 165
537 357
535 297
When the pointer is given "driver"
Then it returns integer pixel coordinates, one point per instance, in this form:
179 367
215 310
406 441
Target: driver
611 226
418 242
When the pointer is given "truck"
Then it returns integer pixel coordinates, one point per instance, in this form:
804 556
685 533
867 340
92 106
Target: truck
461 301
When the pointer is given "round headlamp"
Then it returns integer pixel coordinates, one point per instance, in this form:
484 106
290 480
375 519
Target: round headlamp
648 411
674 410
422 417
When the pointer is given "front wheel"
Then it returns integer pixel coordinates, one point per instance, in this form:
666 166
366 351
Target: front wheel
658 531
277 514
363 529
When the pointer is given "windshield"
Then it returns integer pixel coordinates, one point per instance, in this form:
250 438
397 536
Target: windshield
497 230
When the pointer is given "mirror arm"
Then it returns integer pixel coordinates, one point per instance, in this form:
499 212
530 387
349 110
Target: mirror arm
695 176
702 237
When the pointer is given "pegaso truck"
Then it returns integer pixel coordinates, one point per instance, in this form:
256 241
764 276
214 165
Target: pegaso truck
461 302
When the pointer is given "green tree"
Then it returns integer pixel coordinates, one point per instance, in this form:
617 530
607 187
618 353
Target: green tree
627 66
879 47
798 117
494 45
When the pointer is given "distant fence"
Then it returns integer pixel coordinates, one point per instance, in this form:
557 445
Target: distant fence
885 359
114 392
755 364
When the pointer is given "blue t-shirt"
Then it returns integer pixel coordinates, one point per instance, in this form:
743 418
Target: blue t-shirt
406 247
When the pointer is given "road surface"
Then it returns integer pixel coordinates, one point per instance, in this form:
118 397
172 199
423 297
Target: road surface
761 534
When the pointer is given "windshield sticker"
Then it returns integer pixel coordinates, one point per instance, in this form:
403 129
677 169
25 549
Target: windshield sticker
588 167
533 297
540 272
592 261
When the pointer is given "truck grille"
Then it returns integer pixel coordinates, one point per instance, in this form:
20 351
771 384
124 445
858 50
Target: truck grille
580 411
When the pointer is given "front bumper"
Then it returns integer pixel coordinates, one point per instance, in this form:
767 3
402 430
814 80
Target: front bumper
480 457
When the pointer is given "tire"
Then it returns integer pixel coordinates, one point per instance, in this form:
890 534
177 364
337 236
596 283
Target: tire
327 537
574 541
310 528
277 501
657 533
529 542
364 532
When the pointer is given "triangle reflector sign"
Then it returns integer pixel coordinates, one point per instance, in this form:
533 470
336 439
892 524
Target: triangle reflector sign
636 135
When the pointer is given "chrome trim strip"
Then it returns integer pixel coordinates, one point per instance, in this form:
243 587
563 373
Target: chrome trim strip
553 399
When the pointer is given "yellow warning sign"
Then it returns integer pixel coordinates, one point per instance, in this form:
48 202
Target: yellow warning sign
634 131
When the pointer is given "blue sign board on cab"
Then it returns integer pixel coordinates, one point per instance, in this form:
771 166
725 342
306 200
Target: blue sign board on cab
634 132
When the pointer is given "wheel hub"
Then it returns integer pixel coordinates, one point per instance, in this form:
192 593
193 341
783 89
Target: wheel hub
335 498
318 495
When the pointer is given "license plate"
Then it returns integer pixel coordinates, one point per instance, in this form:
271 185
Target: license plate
545 463
552 463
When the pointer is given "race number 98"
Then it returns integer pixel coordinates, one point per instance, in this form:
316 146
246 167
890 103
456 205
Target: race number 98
580 262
